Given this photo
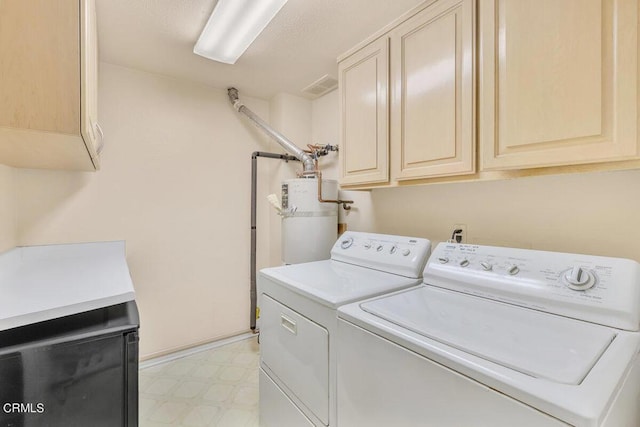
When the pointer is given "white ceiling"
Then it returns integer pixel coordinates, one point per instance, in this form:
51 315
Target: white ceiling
298 47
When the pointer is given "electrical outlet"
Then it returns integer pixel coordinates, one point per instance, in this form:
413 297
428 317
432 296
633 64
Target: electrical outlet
463 235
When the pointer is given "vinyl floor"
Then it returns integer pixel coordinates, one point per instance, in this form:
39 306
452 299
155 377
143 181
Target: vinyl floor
217 387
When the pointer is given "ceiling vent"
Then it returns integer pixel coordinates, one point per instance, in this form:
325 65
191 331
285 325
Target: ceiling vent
321 86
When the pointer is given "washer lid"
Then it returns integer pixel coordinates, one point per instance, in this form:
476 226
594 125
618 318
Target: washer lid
537 344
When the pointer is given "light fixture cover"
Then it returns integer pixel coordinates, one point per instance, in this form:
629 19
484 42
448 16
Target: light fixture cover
233 26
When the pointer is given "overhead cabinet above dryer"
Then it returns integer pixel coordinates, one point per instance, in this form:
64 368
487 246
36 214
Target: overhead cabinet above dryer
48 84
364 115
407 98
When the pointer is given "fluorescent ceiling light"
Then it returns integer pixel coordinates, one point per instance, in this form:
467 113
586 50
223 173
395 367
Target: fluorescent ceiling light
233 26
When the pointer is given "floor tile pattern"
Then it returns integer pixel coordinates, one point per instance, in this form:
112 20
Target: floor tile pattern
217 387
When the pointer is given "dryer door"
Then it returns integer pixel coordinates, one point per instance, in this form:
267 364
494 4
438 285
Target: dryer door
296 351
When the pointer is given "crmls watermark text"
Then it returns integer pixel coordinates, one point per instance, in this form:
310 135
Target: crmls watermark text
23 408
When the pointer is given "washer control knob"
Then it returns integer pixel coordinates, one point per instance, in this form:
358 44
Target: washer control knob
464 263
346 243
367 245
379 248
513 270
393 249
486 266
579 279
443 260
406 252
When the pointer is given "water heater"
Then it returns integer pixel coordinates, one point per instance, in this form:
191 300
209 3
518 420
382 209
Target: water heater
309 227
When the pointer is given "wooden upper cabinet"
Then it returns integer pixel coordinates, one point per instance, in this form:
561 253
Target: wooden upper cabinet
91 131
432 92
558 82
364 138
48 84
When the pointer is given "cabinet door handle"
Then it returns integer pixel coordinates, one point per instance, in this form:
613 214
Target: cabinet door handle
100 146
289 324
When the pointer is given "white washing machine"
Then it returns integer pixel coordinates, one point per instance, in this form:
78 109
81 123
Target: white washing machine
298 320
496 337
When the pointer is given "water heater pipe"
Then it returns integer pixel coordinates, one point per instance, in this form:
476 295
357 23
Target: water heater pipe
308 164
253 294
310 169
345 203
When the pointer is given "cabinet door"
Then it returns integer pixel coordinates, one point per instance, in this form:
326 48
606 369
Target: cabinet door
364 141
432 104
91 131
39 71
74 383
558 82
45 84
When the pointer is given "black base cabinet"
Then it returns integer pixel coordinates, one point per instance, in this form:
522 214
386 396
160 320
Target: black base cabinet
75 371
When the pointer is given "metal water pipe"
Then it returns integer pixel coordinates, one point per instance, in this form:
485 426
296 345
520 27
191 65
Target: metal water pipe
308 163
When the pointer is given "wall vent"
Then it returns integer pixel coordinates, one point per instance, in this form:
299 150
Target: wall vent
321 86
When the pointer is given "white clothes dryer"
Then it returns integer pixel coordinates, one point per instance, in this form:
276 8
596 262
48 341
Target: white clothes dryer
298 320
496 337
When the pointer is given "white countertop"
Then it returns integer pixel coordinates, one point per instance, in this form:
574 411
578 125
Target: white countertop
40 283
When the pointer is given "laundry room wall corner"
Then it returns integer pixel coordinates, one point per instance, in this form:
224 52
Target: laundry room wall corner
175 184
325 129
291 116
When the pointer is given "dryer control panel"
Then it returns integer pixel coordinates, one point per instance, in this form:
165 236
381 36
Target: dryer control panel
405 256
592 288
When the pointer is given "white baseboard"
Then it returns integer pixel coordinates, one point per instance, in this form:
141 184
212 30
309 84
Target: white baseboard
193 350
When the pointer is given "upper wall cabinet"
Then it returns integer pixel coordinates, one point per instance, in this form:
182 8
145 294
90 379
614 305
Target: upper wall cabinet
558 82
407 98
432 92
364 94
48 84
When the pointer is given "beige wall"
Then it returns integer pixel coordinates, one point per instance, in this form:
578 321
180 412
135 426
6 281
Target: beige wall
596 213
7 209
174 184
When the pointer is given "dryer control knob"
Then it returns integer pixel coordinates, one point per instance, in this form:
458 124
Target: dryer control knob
346 243
367 245
579 279
393 249
486 266
379 248
464 263
513 270
406 252
443 260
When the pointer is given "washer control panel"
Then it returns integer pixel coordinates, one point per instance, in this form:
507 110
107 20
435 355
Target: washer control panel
592 288
405 256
